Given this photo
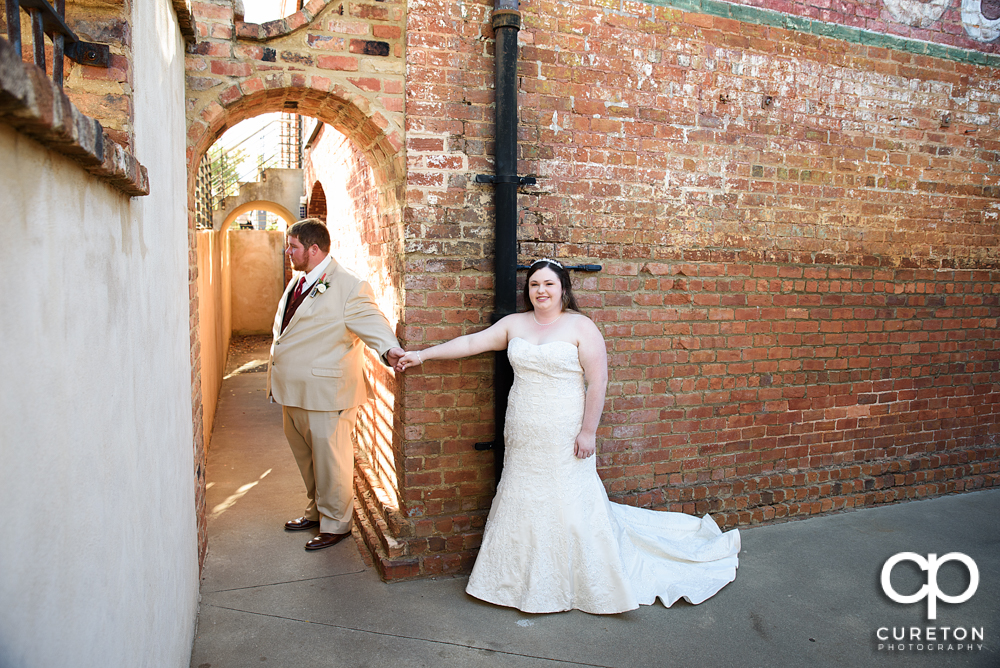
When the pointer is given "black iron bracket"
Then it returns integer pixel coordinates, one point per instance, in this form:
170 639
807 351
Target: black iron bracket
519 180
85 53
88 53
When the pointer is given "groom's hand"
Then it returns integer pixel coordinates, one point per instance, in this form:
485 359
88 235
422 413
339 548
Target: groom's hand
392 356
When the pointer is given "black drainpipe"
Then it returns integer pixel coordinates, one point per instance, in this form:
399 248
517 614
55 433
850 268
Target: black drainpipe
506 24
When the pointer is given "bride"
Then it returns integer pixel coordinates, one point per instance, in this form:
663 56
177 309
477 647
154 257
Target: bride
553 540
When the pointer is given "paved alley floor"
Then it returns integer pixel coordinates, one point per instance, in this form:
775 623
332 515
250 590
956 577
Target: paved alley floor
807 592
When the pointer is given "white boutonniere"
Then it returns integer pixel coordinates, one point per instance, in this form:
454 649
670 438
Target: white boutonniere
321 285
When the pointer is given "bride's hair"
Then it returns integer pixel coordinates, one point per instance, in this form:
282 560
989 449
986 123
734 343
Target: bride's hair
568 300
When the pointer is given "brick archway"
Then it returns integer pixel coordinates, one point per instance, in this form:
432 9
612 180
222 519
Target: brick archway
339 62
369 130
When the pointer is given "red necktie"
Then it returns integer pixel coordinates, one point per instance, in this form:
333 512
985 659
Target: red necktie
293 303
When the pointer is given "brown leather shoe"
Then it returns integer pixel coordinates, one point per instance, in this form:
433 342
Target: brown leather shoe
301 524
326 540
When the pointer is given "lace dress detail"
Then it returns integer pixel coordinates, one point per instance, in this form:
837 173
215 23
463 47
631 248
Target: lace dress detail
553 540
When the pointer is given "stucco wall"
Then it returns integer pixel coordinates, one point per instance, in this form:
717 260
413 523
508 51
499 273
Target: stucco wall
257 278
215 319
98 546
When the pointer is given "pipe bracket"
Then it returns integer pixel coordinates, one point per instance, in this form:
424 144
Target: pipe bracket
519 180
506 18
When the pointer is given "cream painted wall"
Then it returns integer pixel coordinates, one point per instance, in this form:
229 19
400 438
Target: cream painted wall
244 305
98 545
214 320
257 278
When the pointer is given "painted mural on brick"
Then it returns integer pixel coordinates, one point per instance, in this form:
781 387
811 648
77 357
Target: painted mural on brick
969 24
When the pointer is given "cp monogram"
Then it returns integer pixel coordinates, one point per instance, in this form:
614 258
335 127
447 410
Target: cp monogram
930 591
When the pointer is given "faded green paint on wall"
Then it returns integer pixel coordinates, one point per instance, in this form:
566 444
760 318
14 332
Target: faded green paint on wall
758 16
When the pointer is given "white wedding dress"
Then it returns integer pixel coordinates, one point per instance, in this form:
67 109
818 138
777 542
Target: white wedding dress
554 541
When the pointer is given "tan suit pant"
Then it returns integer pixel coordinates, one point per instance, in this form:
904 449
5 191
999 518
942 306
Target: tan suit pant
322 446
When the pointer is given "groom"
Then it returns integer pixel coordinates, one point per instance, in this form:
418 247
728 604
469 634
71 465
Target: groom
316 373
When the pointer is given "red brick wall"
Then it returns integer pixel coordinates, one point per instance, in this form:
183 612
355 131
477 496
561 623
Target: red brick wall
799 244
767 389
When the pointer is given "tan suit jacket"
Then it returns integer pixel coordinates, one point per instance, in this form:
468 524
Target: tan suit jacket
318 362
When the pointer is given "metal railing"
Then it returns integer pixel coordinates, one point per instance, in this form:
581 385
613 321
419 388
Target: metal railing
269 147
46 20
223 169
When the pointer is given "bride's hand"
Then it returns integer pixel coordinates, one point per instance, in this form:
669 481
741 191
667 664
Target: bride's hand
411 358
586 445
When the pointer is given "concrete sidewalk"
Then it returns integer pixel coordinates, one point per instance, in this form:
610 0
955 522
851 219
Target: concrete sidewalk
807 592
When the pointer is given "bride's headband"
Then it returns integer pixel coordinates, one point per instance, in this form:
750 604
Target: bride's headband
547 259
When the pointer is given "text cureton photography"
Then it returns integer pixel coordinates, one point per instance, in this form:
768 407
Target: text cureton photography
930 639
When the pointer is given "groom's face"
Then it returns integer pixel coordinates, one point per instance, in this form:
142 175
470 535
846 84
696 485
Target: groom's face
299 255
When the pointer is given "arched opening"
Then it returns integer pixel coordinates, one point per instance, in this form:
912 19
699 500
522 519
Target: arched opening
262 11
269 13
316 208
284 216
248 183
368 238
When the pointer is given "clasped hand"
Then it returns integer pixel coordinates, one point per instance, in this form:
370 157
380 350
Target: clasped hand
393 355
408 359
